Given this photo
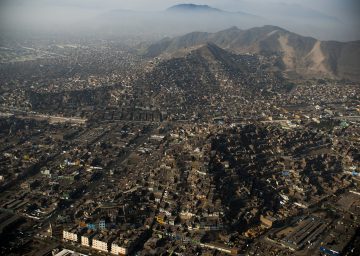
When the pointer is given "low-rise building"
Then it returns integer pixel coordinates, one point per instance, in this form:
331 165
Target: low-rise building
86 239
70 235
102 242
117 249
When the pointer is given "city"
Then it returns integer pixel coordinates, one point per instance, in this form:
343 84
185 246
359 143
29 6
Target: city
178 146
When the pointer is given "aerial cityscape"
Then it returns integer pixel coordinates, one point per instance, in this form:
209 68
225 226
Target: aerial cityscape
170 128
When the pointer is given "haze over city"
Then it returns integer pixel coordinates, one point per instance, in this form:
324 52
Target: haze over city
323 19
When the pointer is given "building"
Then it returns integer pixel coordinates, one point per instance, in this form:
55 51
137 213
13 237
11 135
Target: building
268 221
102 225
70 235
117 249
126 242
100 245
102 242
66 252
221 248
86 239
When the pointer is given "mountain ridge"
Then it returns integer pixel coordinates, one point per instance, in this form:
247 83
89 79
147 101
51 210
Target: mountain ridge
305 56
193 7
208 70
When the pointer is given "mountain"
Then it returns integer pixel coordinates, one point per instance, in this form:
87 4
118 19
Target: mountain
192 8
174 21
203 76
191 17
305 56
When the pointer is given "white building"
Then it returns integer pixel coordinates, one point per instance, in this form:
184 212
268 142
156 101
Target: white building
118 250
100 245
70 235
66 252
86 239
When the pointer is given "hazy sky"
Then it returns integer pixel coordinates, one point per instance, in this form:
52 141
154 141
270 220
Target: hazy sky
333 7
35 12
